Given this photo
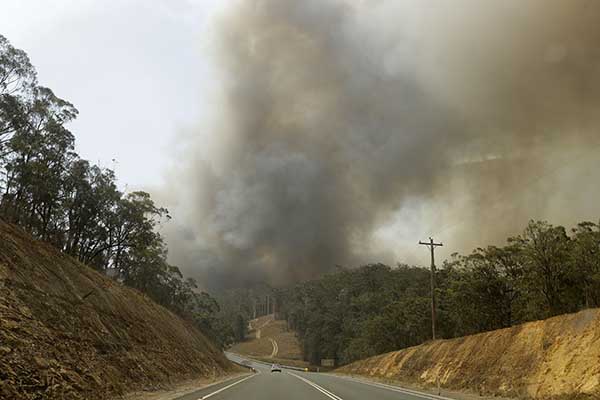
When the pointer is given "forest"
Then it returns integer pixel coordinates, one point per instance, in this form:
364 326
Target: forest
61 198
357 313
354 313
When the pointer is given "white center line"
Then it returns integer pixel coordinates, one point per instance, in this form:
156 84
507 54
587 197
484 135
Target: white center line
319 388
226 387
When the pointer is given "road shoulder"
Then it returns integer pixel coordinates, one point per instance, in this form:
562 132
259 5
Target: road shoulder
184 388
452 394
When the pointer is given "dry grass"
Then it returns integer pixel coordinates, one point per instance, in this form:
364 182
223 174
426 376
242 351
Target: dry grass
254 347
289 348
558 358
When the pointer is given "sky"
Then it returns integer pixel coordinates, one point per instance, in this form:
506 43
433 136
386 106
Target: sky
136 70
142 76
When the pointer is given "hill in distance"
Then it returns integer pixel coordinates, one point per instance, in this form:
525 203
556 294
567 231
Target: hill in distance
270 340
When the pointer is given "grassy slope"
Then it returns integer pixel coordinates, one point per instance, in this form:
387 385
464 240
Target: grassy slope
557 358
289 347
261 348
56 343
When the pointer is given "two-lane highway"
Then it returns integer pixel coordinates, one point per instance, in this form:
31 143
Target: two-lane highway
299 385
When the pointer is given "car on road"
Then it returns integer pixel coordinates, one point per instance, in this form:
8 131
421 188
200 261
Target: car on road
275 368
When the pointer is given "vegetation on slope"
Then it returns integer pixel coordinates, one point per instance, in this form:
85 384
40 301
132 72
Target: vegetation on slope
353 314
555 358
259 344
60 198
68 332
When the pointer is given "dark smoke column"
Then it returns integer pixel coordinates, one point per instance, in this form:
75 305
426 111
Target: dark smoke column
334 114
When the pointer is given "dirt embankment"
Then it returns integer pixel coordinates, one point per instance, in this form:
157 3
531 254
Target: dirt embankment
557 358
67 332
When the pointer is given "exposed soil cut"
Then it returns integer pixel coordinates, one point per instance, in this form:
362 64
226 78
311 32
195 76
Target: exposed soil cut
557 358
68 332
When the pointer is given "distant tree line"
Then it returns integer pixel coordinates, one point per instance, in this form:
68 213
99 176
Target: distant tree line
46 188
240 305
352 314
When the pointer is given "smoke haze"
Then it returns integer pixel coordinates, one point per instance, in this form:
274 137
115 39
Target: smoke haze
345 131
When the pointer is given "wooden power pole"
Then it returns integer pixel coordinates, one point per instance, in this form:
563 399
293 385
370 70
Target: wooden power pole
432 247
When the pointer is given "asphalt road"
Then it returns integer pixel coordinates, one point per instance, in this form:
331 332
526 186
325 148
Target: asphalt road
298 385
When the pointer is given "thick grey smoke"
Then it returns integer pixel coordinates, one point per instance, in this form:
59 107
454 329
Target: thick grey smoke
338 121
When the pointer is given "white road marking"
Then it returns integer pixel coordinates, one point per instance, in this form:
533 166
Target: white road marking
275 348
394 388
319 388
226 387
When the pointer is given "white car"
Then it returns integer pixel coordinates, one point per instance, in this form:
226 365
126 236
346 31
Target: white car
275 368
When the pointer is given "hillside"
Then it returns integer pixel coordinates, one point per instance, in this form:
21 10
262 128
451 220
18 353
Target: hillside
67 332
557 358
271 340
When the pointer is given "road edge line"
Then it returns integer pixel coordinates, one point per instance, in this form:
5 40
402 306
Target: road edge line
226 387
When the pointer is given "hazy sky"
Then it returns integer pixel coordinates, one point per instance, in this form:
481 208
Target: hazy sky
139 72
281 133
136 70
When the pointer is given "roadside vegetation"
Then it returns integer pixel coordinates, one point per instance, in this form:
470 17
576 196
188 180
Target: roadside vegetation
58 197
554 358
354 314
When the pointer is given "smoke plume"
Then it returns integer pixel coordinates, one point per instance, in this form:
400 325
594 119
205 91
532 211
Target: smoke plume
345 131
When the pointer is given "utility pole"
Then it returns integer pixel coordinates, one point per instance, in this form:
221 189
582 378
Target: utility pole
432 247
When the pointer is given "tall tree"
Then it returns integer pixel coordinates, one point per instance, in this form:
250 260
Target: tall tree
58 197
17 83
585 259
